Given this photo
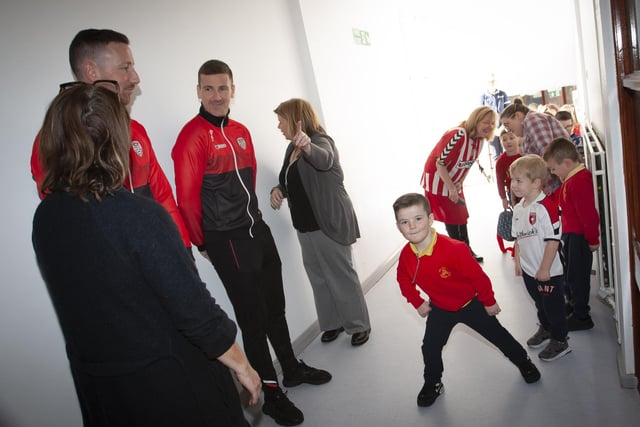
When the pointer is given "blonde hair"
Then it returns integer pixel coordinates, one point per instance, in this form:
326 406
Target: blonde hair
530 165
476 116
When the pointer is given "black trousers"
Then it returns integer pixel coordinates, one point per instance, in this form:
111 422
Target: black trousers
578 259
550 306
441 322
251 272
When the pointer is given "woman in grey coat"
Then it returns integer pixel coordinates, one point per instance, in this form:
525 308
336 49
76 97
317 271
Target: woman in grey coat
322 213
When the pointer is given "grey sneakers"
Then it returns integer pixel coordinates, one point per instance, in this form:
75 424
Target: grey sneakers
554 350
539 338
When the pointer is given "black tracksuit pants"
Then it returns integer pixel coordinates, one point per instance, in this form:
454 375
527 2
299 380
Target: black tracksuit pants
251 272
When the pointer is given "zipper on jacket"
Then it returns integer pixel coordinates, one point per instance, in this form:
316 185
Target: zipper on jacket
246 190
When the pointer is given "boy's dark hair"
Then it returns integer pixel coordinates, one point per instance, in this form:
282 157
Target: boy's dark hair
564 115
87 43
561 149
214 66
411 199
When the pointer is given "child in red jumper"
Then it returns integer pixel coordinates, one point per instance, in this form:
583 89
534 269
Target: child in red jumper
511 145
458 289
580 227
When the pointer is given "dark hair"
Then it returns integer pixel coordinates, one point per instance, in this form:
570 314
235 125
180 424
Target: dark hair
298 110
564 115
88 44
411 199
84 142
214 66
516 106
560 149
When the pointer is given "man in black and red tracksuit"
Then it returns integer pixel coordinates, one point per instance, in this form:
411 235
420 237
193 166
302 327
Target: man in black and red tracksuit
215 170
104 57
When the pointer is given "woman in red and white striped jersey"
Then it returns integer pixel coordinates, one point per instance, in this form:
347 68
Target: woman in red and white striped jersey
447 167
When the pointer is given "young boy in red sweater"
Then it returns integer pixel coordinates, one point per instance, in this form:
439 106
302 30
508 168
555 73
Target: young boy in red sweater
580 227
511 145
459 291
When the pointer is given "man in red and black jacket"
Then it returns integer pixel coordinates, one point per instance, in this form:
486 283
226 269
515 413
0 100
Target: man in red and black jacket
103 57
215 169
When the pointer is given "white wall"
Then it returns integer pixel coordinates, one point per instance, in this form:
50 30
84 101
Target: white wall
599 80
386 105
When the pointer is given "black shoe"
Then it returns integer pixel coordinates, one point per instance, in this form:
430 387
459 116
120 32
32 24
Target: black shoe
529 372
429 394
360 338
331 335
477 257
278 406
576 324
305 374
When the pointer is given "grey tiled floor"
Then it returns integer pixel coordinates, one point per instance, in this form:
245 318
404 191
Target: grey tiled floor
376 385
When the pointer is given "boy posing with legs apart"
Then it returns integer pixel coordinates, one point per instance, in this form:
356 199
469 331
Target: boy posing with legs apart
536 227
458 289
580 227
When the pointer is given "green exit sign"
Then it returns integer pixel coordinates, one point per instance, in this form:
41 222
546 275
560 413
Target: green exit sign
361 37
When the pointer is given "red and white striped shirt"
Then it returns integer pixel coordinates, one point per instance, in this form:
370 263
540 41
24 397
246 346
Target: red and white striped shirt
457 152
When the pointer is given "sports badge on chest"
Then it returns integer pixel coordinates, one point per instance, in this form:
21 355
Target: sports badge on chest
532 218
242 143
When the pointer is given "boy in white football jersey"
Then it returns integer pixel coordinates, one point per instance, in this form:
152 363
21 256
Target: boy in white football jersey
536 226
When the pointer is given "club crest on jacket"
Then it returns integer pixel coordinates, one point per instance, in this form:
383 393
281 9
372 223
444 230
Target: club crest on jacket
137 148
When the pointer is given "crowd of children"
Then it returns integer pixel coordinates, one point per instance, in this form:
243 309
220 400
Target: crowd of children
555 231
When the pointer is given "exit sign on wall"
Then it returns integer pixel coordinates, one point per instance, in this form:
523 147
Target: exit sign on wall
361 37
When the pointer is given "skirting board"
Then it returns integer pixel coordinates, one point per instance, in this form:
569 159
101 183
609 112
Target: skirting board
626 380
312 332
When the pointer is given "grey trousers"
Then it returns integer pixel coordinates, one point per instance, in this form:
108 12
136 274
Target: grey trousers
336 287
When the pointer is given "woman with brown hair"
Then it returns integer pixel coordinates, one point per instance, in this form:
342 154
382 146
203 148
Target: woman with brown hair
537 131
146 342
322 213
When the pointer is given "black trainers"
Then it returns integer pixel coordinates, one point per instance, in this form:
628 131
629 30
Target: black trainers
331 335
305 374
529 372
476 256
576 324
429 394
278 406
